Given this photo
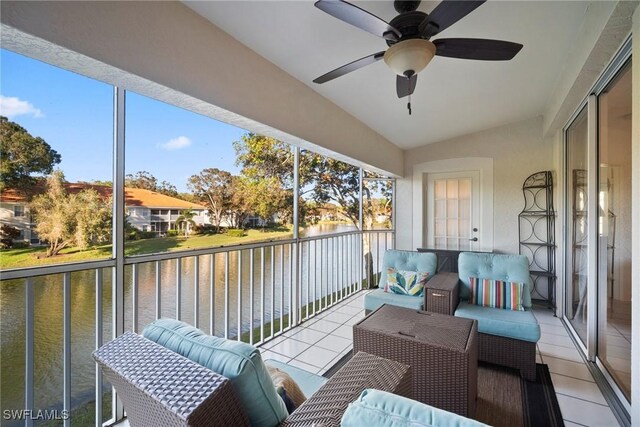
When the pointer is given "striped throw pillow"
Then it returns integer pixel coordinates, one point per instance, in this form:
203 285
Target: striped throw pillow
496 293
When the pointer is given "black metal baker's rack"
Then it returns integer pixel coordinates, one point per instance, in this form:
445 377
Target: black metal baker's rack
536 229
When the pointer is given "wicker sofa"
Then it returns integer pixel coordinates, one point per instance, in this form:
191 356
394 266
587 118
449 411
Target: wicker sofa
159 386
505 337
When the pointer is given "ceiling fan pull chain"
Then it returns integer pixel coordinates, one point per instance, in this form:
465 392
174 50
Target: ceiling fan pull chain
409 105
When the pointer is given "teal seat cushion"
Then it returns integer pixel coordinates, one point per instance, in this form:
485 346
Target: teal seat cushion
309 383
383 409
378 297
520 325
509 268
240 362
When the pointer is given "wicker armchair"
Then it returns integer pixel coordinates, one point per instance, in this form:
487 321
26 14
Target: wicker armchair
505 337
160 387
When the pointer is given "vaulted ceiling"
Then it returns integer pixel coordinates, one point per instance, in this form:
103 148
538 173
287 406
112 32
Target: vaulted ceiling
453 96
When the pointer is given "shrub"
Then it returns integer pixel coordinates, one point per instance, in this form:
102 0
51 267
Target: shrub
136 234
204 229
146 234
174 233
21 244
235 232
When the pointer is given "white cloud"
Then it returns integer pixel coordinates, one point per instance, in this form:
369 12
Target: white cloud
10 106
176 143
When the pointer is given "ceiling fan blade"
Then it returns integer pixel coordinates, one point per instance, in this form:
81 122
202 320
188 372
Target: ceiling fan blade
482 49
405 86
358 17
351 66
447 13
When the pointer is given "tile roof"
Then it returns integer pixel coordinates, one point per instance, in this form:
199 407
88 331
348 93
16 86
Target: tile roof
151 199
132 196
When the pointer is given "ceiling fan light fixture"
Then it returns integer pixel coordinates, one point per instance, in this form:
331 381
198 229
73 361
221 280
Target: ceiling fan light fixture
409 55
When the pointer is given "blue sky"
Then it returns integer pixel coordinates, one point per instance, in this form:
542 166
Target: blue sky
74 114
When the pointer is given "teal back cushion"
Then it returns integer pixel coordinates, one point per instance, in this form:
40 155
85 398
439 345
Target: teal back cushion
240 362
509 268
382 409
424 262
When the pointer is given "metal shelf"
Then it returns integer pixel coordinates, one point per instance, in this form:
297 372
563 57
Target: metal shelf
536 229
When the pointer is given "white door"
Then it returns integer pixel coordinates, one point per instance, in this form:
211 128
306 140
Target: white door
453 210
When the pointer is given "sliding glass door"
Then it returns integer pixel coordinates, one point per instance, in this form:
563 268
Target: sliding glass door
598 221
614 229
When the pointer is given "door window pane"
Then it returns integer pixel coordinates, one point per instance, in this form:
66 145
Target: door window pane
452 213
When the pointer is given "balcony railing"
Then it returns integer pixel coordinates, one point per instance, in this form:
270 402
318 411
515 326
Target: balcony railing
250 292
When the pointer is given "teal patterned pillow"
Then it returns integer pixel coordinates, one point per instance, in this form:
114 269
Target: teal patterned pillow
406 282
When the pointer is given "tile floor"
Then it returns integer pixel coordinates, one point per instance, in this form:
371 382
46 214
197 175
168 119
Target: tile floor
317 344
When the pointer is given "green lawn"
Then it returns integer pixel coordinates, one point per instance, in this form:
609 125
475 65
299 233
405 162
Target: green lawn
16 258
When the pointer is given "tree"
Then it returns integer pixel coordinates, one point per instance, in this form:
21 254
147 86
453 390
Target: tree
167 189
212 187
263 197
322 179
146 181
377 199
65 220
336 181
141 179
186 219
264 157
7 234
23 155
104 182
239 207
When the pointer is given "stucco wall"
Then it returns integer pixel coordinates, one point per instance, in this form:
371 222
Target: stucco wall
517 150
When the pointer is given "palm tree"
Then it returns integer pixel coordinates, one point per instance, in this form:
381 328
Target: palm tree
186 218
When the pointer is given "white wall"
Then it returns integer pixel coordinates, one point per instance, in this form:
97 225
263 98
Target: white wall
517 150
139 217
596 42
21 222
165 50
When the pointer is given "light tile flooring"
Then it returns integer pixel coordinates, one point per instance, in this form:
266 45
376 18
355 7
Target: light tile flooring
317 344
614 345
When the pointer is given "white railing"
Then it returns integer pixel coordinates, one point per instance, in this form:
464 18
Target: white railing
251 292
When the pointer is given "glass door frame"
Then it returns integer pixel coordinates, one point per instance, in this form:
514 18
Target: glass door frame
619 61
590 103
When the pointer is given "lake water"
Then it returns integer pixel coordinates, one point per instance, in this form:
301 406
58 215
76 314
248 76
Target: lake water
323 266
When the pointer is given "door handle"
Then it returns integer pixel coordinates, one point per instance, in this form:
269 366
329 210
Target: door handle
475 239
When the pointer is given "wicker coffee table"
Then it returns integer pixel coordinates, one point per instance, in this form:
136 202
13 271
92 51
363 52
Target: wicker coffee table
441 350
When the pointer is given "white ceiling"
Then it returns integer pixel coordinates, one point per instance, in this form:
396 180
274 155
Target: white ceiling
453 97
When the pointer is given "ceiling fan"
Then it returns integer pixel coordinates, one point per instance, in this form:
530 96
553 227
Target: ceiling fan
407 36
